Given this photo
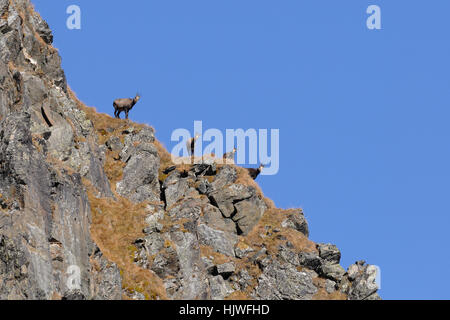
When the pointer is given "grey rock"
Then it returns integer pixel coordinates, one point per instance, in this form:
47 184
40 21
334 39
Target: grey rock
332 271
219 288
74 295
227 175
190 209
140 183
153 243
114 144
213 218
310 260
225 199
288 256
193 277
244 279
226 269
284 282
297 222
362 282
248 214
330 286
220 241
44 225
204 169
176 188
329 252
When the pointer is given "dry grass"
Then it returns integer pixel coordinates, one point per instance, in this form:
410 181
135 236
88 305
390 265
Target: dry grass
322 293
115 226
263 234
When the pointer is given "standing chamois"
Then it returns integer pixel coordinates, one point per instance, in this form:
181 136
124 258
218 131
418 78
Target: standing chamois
190 144
229 155
254 173
124 105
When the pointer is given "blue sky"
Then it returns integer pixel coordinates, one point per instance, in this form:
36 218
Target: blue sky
363 114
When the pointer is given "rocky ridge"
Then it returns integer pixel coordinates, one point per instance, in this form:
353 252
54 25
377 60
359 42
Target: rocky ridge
79 188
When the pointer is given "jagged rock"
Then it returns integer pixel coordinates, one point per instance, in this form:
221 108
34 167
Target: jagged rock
244 279
310 260
166 263
332 271
219 288
114 144
213 218
176 188
42 29
192 276
45 216
226 269
329 252
204 169
153 243
330 286
220 241
297 222
140 182
225 199
74 295
248 214
362 285
188 209
289 256
284 282
107 279
226 176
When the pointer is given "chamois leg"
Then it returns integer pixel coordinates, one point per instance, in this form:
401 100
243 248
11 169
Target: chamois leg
126 114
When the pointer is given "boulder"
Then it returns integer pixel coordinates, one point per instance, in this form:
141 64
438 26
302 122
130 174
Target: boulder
220 241
297 222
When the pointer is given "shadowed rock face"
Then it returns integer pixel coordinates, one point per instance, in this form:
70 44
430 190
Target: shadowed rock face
208 231
46 149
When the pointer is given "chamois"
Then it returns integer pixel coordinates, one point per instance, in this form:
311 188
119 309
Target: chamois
229 155
191 143
124 105
254 173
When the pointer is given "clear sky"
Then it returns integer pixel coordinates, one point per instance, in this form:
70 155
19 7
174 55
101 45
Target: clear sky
363 114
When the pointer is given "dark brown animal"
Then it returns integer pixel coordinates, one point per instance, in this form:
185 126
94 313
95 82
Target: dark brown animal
191 144
229 155
124 105
254 173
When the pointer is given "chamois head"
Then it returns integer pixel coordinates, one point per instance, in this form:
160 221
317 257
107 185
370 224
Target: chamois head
137 98
261 167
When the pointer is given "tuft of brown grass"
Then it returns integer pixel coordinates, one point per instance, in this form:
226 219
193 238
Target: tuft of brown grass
238 296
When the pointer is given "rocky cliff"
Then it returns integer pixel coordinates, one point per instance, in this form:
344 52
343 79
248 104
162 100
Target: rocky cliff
79 188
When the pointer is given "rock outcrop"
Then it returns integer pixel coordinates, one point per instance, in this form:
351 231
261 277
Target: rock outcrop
47 147
81 189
